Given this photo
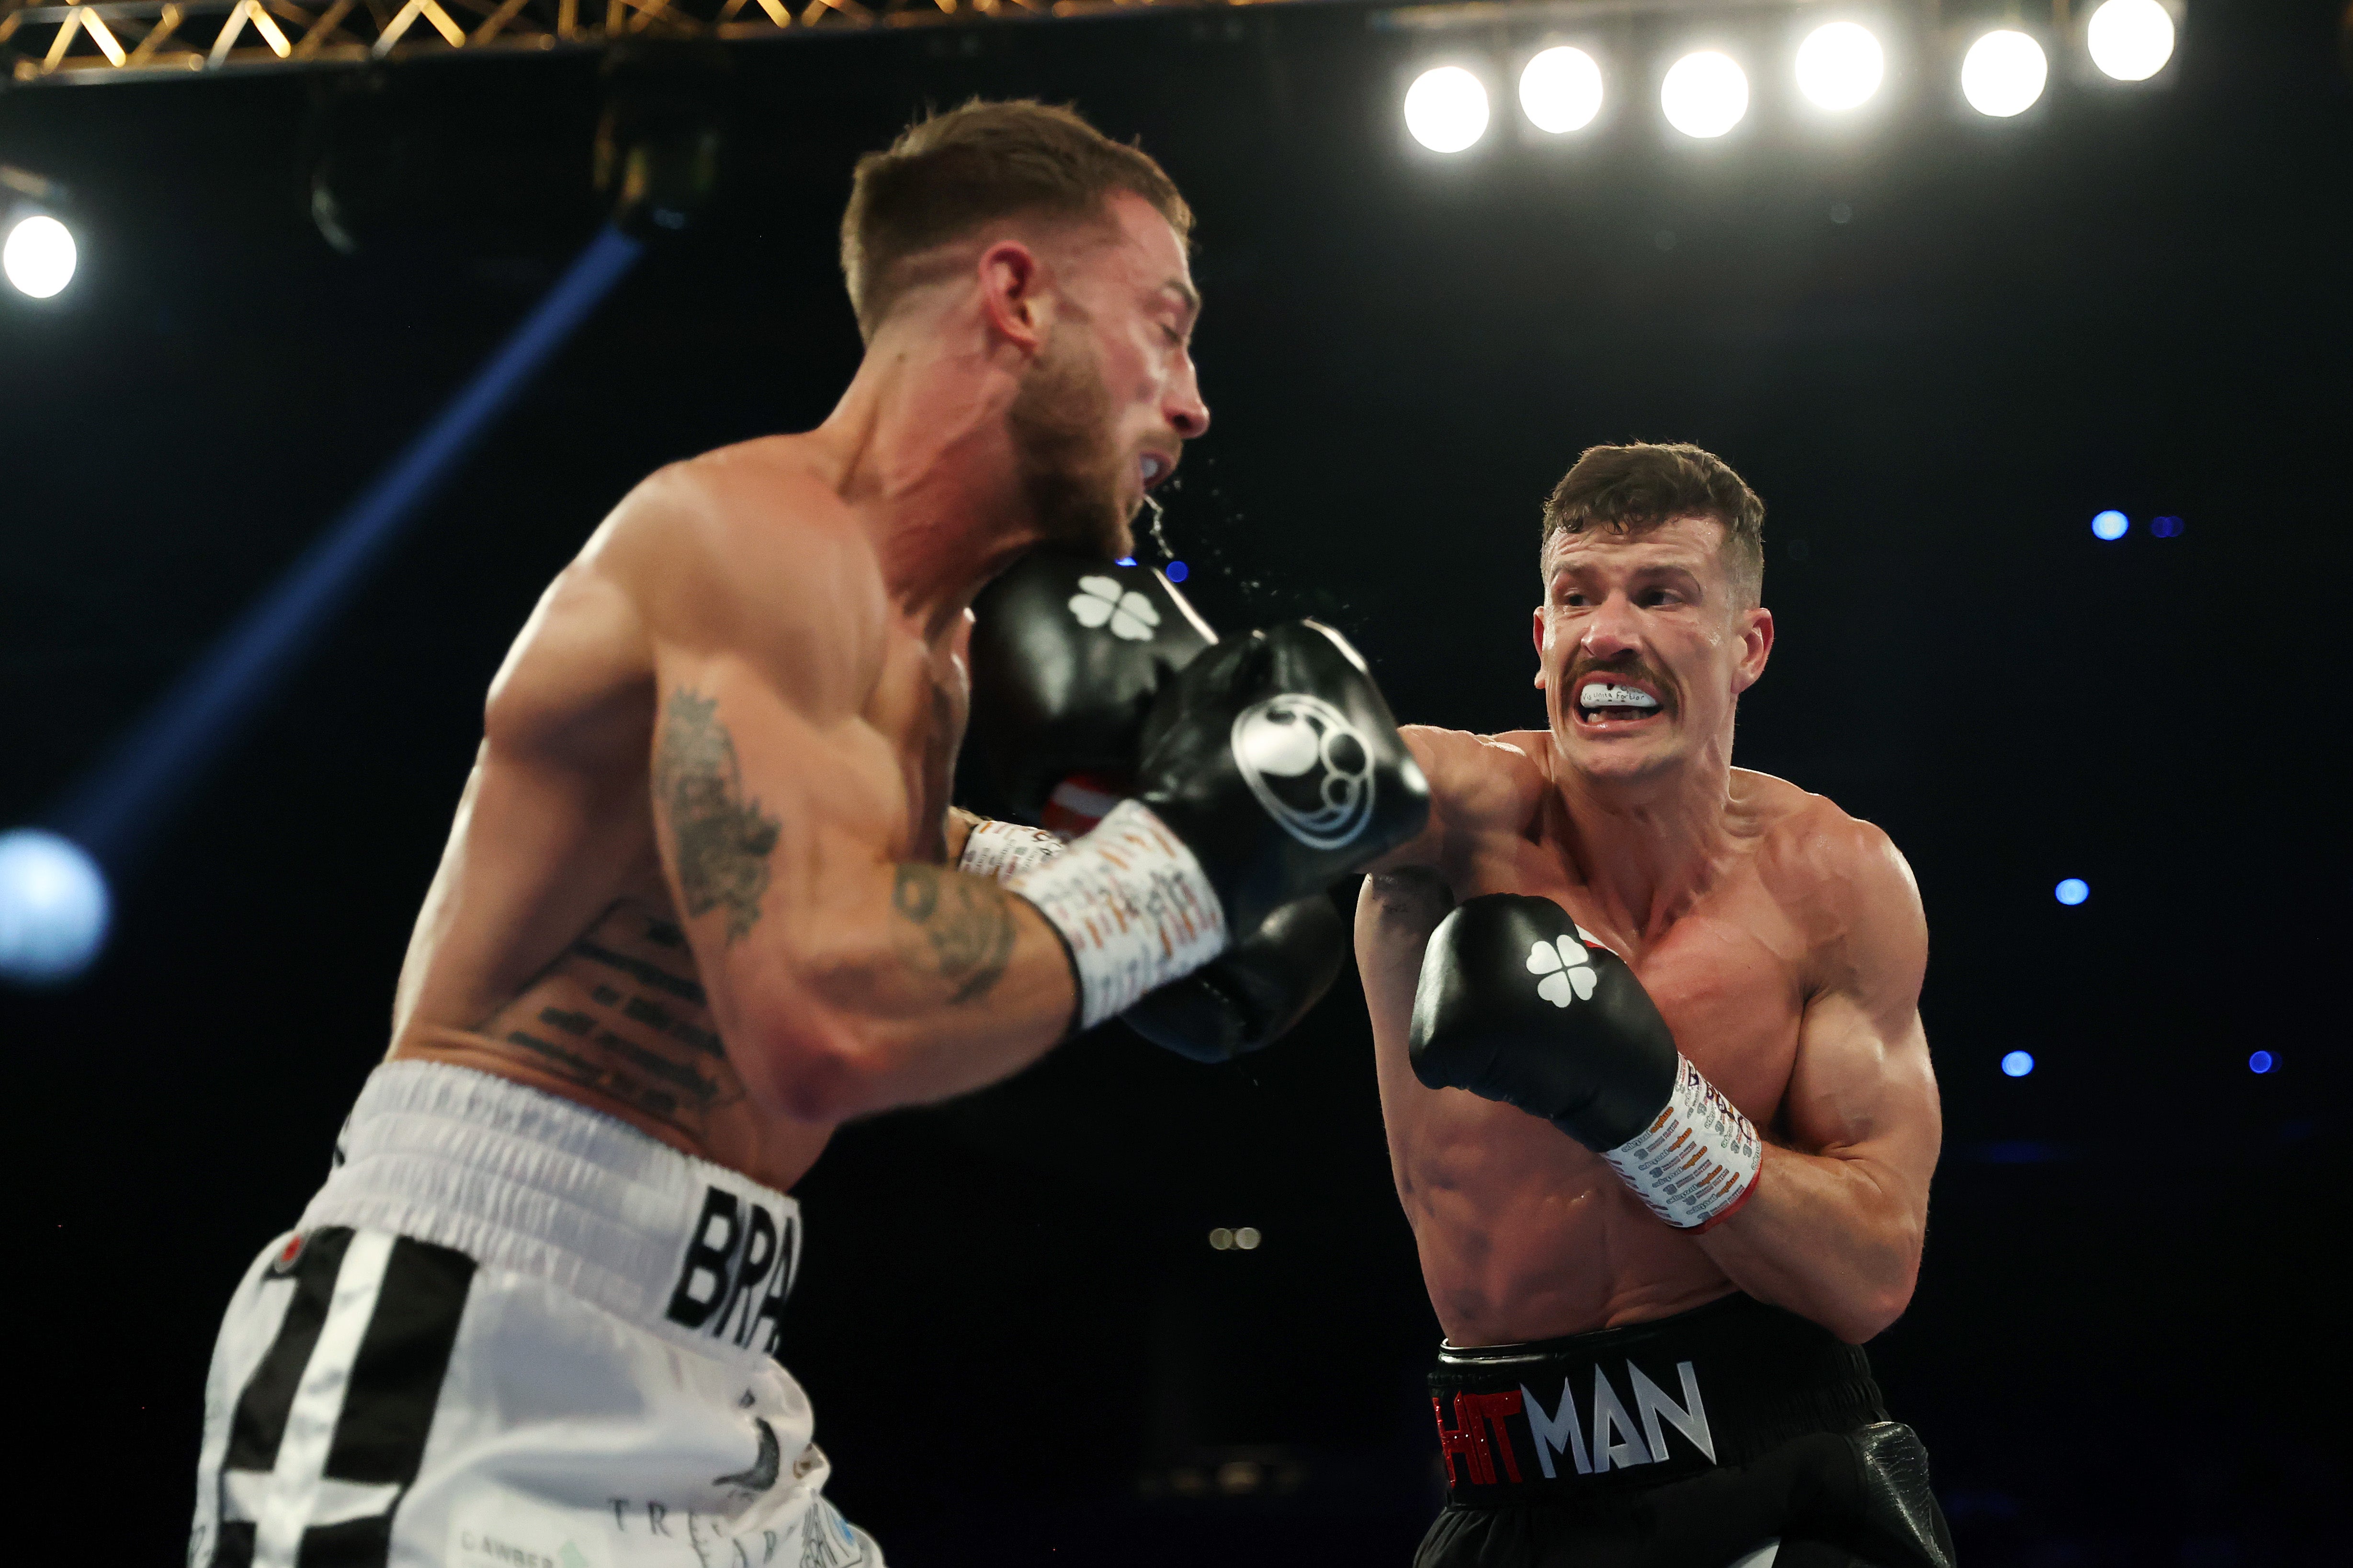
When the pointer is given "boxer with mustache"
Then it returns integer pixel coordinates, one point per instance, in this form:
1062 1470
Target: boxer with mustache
1659 1103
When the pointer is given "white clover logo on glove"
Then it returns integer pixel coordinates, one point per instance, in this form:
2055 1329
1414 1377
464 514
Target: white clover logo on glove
1101 599
1567 968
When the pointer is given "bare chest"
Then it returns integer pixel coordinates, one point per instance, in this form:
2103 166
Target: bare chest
917 712
1728 974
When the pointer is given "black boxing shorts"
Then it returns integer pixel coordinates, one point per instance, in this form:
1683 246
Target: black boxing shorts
1732 1436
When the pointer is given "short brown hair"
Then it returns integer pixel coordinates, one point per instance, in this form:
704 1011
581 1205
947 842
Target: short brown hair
1640 485
949 173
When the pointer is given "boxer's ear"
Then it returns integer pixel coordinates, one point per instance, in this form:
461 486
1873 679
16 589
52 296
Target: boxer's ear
1755 647
1542 628
1012 285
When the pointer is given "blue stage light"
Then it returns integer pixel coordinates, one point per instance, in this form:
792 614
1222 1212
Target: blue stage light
2111 524
54 906
2262 1061
1178 572
2072 891
2165 527
2017 1064
1124 561
124 803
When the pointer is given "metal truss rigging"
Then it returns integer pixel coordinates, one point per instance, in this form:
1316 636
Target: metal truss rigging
118 40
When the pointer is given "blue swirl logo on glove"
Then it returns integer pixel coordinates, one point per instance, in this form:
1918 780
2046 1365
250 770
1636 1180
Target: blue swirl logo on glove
1308 766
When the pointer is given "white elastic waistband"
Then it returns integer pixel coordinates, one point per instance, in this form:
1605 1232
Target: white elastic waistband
522 1180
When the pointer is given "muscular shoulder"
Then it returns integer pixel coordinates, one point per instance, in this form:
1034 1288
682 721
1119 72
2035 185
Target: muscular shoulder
748 552
1844 882
753 528
1481 783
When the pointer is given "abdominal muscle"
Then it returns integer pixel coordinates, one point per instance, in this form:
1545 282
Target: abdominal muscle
1523 1241
1523 1233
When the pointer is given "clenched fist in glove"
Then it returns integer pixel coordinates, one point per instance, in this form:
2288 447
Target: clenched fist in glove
1517 1004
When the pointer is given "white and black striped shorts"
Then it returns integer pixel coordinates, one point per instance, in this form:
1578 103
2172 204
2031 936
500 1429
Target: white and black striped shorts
510 1333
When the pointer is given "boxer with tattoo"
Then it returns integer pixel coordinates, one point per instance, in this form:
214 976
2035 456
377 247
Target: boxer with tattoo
705 900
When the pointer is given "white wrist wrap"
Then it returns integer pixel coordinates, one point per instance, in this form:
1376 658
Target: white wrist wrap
1135 907
1698 1161
1003 850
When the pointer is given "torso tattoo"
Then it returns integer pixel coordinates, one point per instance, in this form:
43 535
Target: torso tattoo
621 1013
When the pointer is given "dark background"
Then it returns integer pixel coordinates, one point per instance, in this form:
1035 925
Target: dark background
2126 1345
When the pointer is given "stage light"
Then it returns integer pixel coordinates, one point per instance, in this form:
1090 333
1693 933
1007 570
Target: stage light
38 255
2017 1064
54 906
2110 525
1705 94
2165 527
1222 1239
1840 65
1445 108
1178 572
1560 91
2262 1062
1124 561
2003 74
1248 1238
2130 39
2072 891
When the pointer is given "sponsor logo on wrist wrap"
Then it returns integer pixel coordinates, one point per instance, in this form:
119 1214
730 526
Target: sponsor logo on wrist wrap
1135 907
1698 1161
1003 850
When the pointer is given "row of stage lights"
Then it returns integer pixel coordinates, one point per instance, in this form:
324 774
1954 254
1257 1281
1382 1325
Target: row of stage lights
1838 66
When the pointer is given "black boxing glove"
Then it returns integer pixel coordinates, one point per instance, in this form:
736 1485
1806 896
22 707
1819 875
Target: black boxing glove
1269 768
1244 1000
1255 992
1069 653
1274 756
1517 1004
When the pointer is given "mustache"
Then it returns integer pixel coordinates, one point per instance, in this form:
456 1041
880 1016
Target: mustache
1629 665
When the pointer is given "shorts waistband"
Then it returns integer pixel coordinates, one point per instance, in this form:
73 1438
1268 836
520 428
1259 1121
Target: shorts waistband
522 1180
1629 1408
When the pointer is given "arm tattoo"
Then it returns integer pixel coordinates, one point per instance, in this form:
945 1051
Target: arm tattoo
966 925
721 840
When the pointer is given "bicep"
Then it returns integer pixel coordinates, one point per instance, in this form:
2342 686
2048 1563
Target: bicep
761 809
1862 1091
1863 1086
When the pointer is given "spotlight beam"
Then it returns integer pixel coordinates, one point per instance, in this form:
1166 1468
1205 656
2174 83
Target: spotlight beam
117 810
